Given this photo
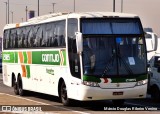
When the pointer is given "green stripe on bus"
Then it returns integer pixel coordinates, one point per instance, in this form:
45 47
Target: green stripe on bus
91 78
129 79
143 77
25 57
8 57
16 57
38 57
28 71
116 80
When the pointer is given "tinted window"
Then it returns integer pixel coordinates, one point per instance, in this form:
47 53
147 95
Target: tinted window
111 26
6 39
74 61
43 35
60 33
13 38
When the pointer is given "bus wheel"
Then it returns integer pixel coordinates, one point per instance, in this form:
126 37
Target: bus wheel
155 94
63 94
20 86
15 86
118 102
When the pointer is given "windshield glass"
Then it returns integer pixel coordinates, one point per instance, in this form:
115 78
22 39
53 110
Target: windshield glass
113 56
111 26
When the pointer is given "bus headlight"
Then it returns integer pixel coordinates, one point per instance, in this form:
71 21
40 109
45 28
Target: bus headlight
142 82
93 84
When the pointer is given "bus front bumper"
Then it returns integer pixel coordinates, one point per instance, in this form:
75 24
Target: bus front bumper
86 93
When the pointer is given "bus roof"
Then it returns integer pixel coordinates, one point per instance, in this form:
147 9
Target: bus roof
61 16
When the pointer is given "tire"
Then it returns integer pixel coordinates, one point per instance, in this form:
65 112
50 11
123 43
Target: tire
20 87
15 87
118 102
63 95
155 94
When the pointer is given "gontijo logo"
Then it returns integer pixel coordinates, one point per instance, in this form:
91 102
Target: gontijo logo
131 80
50 58
6 57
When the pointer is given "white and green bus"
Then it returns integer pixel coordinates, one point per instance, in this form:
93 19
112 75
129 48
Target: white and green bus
81 56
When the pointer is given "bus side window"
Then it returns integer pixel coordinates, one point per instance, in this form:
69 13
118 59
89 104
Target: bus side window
31 37
38 36
20 37
23 36
6 39
15 45
43 42
27 31
54 42
34 41
11 39
49 29
74 60
60 33
14 39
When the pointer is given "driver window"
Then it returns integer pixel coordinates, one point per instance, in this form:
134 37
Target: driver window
74 60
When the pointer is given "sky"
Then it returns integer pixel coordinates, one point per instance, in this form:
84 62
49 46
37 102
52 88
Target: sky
147 10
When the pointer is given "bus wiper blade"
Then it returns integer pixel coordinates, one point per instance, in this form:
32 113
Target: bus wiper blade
127 68
125 64
107 66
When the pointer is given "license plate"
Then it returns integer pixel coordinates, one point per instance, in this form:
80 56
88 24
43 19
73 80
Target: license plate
118 93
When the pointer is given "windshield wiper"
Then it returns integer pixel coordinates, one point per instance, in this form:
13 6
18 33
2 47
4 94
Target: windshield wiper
107 66
109 62
126 66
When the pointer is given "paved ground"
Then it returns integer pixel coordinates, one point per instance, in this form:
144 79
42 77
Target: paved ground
13 100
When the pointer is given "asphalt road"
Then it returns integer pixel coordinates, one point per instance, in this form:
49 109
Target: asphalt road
51 103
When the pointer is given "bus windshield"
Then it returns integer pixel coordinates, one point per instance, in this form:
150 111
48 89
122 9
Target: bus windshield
110 54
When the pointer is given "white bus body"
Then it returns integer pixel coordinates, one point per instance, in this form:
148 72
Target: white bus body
41 55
